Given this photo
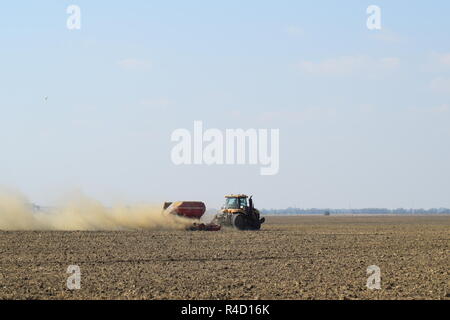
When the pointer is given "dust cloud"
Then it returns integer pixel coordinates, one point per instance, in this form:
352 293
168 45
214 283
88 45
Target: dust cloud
81 213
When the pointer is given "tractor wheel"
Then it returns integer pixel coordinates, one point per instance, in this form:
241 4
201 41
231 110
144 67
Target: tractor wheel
239 222
255 226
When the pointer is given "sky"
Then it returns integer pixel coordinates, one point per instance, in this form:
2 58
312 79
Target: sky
363 115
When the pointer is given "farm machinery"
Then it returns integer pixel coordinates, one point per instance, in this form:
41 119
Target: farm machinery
238 212
192 210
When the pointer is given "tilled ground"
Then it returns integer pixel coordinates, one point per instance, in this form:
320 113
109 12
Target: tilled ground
291 258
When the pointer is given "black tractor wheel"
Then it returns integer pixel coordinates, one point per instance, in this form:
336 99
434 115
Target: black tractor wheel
239 222
256 225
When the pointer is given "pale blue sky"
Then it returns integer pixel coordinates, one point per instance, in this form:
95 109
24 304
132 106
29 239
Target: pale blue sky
364 116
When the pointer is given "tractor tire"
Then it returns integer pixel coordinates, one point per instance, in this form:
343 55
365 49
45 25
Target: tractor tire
239 222
254 226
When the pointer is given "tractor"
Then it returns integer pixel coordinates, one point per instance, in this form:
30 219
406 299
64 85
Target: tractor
239 212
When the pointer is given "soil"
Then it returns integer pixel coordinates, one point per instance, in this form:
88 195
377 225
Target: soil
292 257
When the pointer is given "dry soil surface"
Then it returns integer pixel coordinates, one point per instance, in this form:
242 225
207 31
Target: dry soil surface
297 257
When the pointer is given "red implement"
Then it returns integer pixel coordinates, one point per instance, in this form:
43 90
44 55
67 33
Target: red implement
192 210
188 209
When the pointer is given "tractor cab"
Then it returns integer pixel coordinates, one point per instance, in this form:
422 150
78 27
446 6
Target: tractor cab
235 202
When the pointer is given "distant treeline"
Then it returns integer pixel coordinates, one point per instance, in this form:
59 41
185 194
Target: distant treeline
356 211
